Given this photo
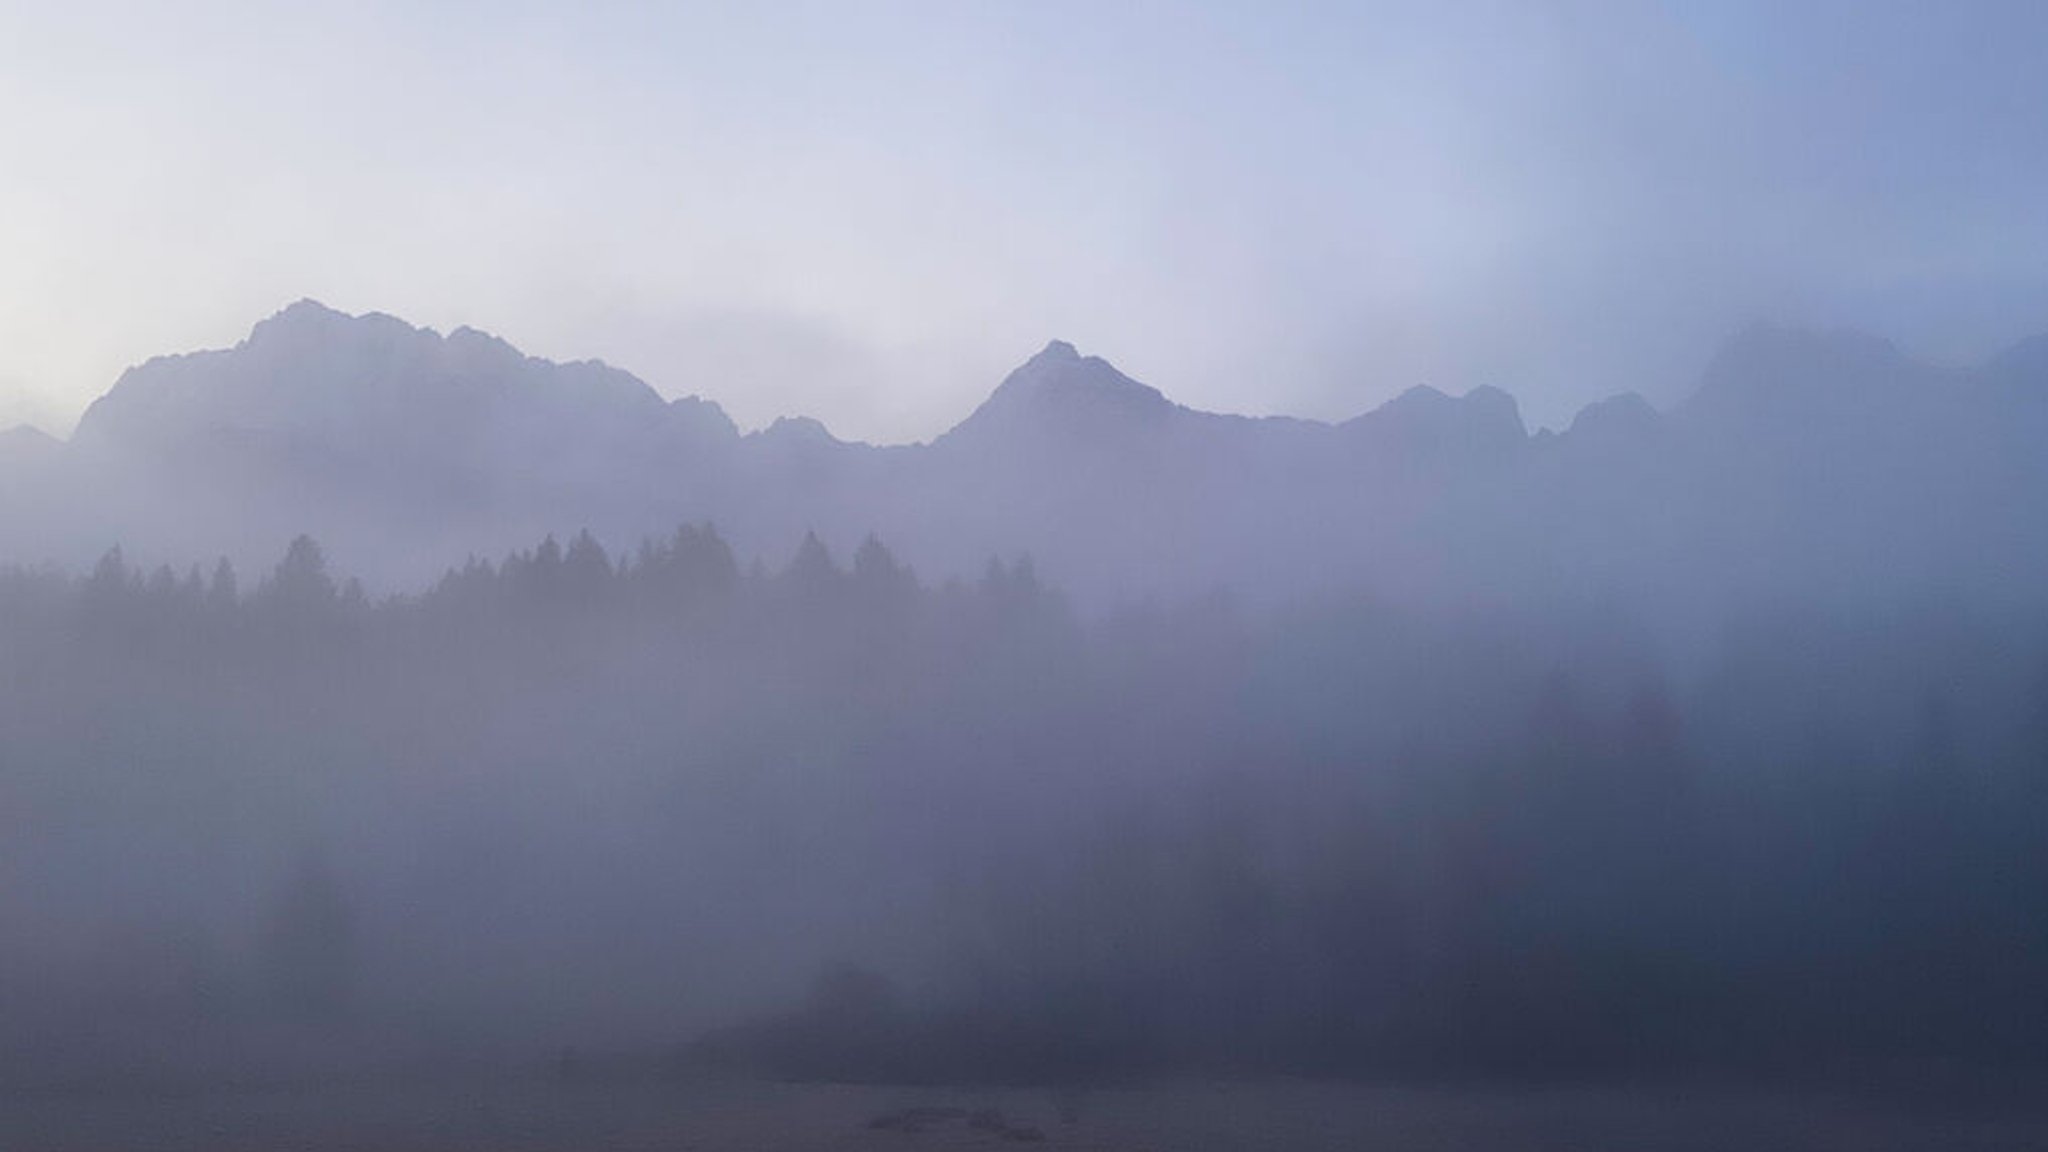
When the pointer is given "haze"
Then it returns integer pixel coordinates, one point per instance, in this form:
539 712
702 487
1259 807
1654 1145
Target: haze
927 577
864 213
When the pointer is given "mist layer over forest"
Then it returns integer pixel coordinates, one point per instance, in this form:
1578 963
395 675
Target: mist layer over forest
830 820
1390 575
1829 467
1099 737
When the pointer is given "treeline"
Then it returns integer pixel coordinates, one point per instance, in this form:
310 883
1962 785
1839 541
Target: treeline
571 799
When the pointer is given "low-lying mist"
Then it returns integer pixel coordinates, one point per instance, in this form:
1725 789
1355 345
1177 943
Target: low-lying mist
660 812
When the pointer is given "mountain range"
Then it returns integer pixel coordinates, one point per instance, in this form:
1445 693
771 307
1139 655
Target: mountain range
1805 464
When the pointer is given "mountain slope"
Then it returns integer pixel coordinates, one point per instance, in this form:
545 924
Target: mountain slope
1803 460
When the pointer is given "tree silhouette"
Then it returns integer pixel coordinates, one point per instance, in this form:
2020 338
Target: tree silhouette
301 582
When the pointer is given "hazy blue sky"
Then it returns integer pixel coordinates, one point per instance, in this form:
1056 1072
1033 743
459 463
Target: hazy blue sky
869 212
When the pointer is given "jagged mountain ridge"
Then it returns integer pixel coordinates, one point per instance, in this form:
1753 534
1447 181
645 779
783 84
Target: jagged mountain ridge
375 385
1801 457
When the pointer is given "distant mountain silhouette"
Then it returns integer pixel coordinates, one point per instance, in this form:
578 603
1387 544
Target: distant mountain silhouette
1771 371
1622 420
1485 422
316 380
22 446
1061 398
1802 457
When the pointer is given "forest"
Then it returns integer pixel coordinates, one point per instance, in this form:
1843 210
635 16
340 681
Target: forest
825 820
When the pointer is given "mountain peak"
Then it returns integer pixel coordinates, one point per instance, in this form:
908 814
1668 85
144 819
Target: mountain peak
1618 422
797 430
305 308
309 322
1768 344
310 372
28 438
23 447
1061 393
1427 419
1776 373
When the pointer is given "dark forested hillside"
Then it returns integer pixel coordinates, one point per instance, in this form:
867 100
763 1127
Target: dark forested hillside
841 822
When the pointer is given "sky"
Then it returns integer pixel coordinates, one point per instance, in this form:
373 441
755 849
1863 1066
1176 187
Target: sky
869 212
